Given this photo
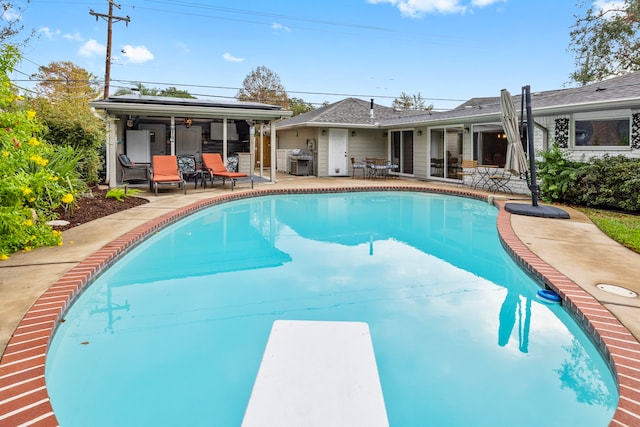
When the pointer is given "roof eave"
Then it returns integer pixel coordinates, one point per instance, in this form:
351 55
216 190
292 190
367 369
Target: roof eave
589 106
190 111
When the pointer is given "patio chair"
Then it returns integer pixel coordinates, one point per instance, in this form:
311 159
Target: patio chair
213 167
133 172
468 168
358 166
379 168
187 166
166 171
499 181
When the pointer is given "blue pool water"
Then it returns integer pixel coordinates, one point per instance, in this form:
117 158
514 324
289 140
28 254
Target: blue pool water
173 334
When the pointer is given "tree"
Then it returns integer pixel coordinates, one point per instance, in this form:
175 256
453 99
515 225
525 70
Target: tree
411 102
62 103
143 90
140 88
11 25
36 176
299 106
175 93
605 41
264 86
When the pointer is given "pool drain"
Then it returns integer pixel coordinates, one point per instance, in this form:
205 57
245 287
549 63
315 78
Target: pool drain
617 290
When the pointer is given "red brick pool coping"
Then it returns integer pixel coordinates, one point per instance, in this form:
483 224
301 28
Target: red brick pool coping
24 400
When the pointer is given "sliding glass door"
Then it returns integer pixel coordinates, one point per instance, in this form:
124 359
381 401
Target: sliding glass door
402 150
446 152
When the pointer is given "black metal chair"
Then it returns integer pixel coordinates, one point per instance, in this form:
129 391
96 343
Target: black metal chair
133 172
187 165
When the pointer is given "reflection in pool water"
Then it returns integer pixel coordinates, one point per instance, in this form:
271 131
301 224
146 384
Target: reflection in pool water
175 331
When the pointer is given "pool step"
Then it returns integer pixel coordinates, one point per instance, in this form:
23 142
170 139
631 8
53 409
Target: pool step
317 374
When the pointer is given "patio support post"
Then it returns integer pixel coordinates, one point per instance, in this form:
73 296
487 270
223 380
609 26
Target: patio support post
172 140
272 170
261 149
224 140
111 151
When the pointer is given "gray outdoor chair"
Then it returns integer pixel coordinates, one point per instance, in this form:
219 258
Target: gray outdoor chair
133 172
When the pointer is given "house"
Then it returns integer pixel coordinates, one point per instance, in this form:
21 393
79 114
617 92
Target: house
335 133
143 126
592 120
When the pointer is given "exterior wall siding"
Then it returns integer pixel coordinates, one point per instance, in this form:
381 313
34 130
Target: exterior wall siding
421 154
576 153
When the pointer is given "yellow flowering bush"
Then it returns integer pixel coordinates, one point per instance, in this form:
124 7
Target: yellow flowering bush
36 177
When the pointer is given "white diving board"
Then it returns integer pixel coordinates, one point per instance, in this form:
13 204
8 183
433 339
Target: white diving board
317 374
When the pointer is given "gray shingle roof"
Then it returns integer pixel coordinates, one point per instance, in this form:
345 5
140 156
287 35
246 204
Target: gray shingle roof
349 111
622 89
353 111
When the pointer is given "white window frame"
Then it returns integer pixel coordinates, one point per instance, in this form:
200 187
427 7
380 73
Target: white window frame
595 116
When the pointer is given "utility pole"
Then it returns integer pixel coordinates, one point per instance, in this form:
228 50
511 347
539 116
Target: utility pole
109 18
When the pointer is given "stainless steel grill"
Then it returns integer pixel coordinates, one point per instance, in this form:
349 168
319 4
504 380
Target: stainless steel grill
300 162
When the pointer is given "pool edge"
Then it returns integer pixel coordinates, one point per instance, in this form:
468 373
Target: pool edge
23 394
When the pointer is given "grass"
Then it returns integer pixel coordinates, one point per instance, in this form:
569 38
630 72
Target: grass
621 227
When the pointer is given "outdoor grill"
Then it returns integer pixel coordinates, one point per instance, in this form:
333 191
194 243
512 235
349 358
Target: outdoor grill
300 161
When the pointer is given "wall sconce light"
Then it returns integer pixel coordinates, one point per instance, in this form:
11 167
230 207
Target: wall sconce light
188 122
324 132
385 134
419 133
353 133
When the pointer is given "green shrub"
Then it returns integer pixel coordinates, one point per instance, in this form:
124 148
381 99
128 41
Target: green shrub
556 173
609 182
36 176
119 193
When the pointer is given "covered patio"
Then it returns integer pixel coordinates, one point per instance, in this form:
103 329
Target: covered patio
143 126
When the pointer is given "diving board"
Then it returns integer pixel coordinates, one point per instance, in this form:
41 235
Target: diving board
317 374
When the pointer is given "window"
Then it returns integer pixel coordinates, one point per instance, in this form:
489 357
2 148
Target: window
608 129
490 143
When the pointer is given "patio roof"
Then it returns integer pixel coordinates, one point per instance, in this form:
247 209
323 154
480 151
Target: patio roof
192 107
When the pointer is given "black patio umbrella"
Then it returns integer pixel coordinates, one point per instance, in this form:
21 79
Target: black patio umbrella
534 209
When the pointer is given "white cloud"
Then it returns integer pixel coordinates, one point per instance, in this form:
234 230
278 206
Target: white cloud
92 48
10 15
417 8
230 58
76 36
137 54
280 27
48 33
484 3
183 47
609 5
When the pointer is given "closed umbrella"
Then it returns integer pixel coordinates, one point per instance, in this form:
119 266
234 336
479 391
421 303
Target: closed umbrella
516 160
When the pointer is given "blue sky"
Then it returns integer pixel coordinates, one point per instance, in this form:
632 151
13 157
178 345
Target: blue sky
446 50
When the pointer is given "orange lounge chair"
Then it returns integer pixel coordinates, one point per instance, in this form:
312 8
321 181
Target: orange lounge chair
165 171
213 164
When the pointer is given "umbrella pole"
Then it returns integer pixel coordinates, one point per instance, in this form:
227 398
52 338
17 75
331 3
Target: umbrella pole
533 186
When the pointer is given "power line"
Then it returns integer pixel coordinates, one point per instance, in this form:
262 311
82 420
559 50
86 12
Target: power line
109 18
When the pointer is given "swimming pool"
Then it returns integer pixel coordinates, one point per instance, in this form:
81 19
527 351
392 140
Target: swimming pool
457 330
